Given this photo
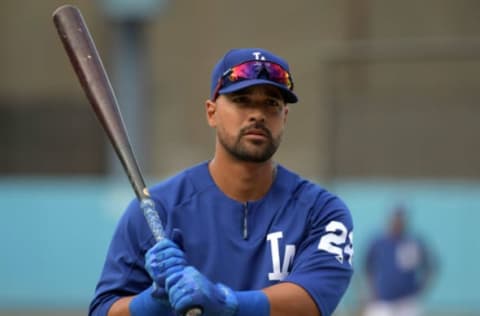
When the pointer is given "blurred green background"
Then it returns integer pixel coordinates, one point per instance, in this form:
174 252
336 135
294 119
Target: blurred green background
388 114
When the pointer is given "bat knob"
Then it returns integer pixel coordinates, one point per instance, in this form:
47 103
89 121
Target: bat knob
196 311
145 191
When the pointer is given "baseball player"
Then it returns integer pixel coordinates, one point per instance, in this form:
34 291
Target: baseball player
246 235
399 267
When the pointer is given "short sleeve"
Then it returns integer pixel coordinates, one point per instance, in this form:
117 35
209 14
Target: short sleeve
323 263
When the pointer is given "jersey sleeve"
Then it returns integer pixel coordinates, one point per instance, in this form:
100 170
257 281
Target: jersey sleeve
323 262
123 271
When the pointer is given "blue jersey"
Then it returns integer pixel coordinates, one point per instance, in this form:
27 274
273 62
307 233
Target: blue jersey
298 232
397 266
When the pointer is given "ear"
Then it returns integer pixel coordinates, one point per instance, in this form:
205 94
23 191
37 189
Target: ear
210 111
285 114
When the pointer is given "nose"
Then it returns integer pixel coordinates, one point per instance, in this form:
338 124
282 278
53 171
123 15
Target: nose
256 114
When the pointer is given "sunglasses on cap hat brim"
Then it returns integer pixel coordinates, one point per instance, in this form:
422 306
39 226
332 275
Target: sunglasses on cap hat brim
266 72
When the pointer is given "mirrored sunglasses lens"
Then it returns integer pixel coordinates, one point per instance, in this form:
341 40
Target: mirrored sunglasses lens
251 70
243 71
278 74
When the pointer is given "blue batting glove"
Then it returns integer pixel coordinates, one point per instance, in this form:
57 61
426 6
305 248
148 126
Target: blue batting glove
189 288
144 304
163 259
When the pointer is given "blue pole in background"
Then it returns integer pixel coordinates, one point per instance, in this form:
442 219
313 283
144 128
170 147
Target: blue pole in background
130 64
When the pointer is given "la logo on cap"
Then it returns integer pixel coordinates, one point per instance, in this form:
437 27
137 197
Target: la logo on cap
258 56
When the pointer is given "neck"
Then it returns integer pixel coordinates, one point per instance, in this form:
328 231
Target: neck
243 181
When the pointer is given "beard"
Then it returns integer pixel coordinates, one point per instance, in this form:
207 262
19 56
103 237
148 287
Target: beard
251 151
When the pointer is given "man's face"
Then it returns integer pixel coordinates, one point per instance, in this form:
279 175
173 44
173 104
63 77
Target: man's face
398 224
249 122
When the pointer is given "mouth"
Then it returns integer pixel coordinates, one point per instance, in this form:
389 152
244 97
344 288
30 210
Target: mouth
257 134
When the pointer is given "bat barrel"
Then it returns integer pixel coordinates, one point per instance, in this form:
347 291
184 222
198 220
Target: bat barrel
89 68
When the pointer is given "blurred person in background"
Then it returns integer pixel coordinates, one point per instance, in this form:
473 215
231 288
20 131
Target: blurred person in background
398 267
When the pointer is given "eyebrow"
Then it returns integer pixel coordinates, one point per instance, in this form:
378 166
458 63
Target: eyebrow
270 92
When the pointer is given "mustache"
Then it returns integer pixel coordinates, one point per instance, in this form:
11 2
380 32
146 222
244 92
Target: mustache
256 126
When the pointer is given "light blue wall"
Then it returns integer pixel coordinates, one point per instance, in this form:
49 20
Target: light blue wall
445 214
54 234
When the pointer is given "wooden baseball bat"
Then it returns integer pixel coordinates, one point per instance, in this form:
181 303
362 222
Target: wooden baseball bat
88 66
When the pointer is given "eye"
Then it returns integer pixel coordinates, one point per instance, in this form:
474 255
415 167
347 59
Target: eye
274 103
240 99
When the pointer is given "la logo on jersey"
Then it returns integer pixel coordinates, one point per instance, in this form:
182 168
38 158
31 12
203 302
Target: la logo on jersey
279 271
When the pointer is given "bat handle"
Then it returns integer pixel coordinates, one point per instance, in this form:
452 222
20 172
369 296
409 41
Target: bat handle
151 215
196 311
148 207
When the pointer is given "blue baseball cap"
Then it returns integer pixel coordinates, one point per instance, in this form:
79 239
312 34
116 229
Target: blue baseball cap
239 56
